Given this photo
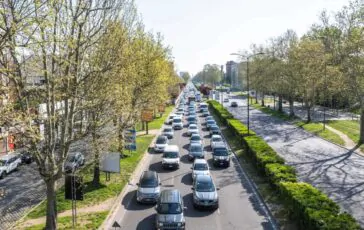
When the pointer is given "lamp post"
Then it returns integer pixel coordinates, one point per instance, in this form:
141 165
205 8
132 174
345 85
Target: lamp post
325 80
247 81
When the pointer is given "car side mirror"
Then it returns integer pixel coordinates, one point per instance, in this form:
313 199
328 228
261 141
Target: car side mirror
160 183
217 188
192 188
191 168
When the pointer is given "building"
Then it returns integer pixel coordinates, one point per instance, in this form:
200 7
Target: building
232 75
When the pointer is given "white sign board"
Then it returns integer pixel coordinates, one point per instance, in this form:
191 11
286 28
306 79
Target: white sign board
110 162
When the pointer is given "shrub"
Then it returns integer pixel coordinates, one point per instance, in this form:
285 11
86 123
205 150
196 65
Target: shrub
277 172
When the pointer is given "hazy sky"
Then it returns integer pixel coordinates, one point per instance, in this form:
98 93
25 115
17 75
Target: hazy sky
207 31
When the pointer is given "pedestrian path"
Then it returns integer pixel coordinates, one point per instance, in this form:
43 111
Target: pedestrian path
349 144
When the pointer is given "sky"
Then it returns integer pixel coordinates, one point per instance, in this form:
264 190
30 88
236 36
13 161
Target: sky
206 31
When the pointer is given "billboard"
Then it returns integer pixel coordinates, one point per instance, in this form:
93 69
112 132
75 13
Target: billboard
147 115
110 162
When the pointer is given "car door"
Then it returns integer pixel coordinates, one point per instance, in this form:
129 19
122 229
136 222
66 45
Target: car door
11 164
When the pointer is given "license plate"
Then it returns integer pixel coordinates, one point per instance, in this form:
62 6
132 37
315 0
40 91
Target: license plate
221 163
170 166
206 202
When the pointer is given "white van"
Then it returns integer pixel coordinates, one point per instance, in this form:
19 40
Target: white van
171 157
9 163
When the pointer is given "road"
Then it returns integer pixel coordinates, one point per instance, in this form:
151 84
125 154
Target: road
239 206
335 170
23 189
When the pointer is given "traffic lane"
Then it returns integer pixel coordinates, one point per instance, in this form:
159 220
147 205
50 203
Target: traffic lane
239 207
333 169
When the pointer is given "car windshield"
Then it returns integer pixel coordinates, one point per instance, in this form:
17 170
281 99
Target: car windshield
196 148
170 155
170 208
211 122
2 163
214 128
220 152
167 130
191 119
148 182
193 127
217 139
196 138
178 120
161 140
200 167
205 186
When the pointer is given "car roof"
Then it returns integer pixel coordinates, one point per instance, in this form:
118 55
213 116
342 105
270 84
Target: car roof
170 196
195 144
192 125
162 137
203 103
216 136
171 148
220 145
200 161
7 157
205 178
167 127
214 126
195 135
149 175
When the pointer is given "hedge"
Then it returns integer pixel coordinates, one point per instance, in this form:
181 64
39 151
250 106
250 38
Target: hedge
311 208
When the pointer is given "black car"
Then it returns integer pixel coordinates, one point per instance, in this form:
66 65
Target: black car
26 157
220 156
234 104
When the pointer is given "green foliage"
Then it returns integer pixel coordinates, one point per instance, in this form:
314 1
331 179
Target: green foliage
273 112
309 206
317 129
348 127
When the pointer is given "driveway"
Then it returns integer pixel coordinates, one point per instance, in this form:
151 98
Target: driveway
333 169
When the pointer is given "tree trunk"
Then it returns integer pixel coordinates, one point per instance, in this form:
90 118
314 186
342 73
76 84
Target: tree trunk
280 102
256 97
308 114
361 139
274 101
96 179
262 99
51 219
291 108
143 125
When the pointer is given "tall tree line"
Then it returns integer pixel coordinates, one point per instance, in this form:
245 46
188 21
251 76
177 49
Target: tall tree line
99 65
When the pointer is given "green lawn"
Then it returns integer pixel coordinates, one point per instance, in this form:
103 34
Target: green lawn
84 221
108 189
348 127
317 129
158 122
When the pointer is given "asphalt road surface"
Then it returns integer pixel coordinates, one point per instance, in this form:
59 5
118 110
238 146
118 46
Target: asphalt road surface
335 170
239 206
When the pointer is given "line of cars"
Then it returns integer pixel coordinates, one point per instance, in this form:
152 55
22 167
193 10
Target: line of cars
169 203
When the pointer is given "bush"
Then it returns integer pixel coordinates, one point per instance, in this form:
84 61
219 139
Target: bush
309 206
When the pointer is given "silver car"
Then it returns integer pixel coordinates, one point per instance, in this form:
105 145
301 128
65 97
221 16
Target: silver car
195 138
168 132
205 192
148 187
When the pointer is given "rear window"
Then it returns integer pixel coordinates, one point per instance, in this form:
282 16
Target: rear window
170 155
148 182
177 120
217 139
196 148
220 152
167 130
161 140
196 138
203 106
200 166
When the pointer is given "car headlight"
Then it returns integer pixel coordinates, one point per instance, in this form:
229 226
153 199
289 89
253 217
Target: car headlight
179 224
160 224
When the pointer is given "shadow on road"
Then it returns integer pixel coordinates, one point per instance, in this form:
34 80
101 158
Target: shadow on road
187 179
129 202
147 223
191 211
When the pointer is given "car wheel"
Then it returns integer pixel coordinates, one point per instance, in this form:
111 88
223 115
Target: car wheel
195 206
2 175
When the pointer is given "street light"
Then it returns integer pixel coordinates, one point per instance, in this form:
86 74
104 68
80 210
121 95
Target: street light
247 80
325 79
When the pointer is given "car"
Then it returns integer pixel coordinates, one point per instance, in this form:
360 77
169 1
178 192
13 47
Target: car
170 210
192 128
148 187
181 111
200 167
214 130
8 163
226 99
192 120
234 104
168 132
160 143
205 113
215 141
177 123
209 118
26 157
210 123
203 106
171 157
195 138
192 113
221 156
73 162
205 192
195 151
170 118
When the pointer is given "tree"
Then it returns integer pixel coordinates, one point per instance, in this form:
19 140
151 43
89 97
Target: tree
186 76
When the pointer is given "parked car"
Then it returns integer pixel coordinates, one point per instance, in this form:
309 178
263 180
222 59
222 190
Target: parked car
234 104
210 123
73 162
195 151
171 157
214 130
168 132
26 157
148 187
216 140
8 163
192 128
205 192
221 156
160 143
177 123
195 138
169 210
200 167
